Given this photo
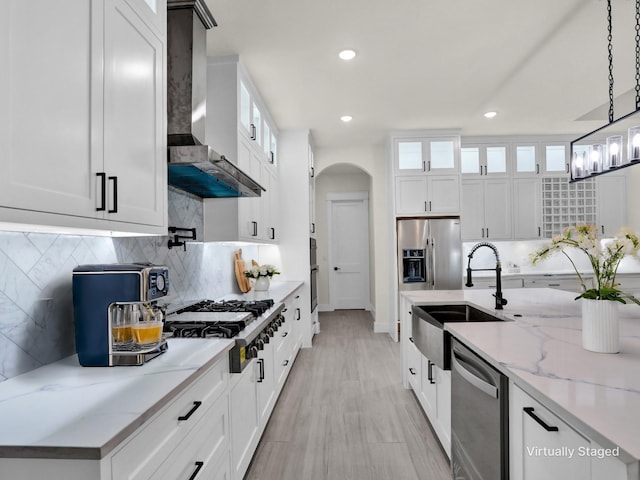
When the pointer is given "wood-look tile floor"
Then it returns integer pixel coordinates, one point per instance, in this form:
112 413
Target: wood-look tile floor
343 413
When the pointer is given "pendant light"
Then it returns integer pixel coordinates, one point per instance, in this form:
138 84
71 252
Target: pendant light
603 150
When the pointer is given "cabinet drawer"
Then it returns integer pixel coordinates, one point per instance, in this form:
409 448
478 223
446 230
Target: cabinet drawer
154 441
204 450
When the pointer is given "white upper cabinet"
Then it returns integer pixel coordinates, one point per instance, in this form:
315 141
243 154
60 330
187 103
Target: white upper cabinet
527 208
556 159
435 156
611 210
239 127
526 160
84 145
426 180
484 160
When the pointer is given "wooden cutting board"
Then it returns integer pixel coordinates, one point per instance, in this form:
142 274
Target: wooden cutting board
243 282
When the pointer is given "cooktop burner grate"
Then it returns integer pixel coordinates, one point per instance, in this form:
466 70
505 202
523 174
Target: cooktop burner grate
257 307
203 329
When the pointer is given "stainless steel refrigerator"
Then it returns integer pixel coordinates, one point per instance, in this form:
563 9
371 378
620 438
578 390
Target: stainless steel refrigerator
429 254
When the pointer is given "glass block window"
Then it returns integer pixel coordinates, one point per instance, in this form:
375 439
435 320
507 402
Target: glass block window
565 204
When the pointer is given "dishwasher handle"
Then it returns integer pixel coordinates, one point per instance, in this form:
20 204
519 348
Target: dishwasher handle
458 361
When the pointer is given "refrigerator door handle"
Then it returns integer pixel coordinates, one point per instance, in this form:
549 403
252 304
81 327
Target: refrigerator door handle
432 252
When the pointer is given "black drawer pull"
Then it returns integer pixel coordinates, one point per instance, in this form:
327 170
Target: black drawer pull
261 374
285 334
115 195
103 194
412 371
430 365
196 405
199 466
285 363
542 423
411 340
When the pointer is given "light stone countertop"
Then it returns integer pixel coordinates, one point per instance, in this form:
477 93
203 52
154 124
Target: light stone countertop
541 351
64 410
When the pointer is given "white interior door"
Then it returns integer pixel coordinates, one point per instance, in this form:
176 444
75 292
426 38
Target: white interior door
348 215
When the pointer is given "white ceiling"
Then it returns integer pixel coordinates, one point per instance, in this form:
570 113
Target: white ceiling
430 64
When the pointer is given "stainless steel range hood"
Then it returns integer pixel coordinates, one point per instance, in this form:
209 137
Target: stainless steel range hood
194 167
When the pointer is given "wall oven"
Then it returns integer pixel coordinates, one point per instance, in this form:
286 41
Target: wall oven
314 273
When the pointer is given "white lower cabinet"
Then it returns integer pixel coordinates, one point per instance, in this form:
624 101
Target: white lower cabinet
162 438
245 421
543 446
431 384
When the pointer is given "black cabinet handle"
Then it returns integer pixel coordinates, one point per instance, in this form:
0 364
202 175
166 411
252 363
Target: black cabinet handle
411 340
261 374
537 169
255 229
425 206
196 405
253 132
285 334
199 466
430 365
602 226
298 316
272 158
272 236
412 371
285 363
542 423
429 205
115 194
313 172
313 228
103 194
539 232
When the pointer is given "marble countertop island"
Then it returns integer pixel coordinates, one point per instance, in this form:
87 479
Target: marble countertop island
541 351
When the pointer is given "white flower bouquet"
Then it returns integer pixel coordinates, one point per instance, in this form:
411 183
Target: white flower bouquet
604 259
257 271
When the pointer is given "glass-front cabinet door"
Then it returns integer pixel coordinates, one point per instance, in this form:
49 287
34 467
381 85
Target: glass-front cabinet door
426 155
556 159
483 160
526 161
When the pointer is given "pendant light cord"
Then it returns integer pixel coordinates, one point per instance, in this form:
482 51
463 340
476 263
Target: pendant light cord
610 47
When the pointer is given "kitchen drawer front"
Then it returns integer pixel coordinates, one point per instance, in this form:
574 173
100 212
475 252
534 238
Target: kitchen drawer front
141 455
205 449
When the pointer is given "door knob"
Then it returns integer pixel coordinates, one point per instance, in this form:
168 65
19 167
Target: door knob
336 268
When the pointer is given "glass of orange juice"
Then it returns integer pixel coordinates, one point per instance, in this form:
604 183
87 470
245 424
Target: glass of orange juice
121 327
148 330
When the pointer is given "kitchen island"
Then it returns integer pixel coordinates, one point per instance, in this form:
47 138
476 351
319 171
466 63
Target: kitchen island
539 348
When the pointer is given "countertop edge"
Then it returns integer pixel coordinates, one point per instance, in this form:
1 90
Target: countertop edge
99 453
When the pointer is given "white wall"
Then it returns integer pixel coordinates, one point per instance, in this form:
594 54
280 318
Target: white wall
373 162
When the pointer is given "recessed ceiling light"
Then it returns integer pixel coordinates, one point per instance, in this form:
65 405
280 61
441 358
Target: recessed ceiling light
346 118
347 54
490 114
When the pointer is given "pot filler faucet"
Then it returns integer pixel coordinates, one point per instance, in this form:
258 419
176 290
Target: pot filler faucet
500 301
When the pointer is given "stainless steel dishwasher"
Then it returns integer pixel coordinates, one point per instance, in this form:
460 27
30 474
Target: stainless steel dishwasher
479 417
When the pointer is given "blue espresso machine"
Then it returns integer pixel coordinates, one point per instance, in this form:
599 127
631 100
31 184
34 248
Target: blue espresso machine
96 289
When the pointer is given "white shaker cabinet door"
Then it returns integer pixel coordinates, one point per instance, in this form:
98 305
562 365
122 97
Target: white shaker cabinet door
49 130
134 131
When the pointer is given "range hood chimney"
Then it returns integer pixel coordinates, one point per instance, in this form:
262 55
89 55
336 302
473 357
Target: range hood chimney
193 166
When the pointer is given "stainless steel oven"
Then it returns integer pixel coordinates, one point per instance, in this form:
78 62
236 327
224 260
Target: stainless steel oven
314 273
479 417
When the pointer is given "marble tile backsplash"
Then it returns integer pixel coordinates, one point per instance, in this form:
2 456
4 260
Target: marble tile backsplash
36 310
